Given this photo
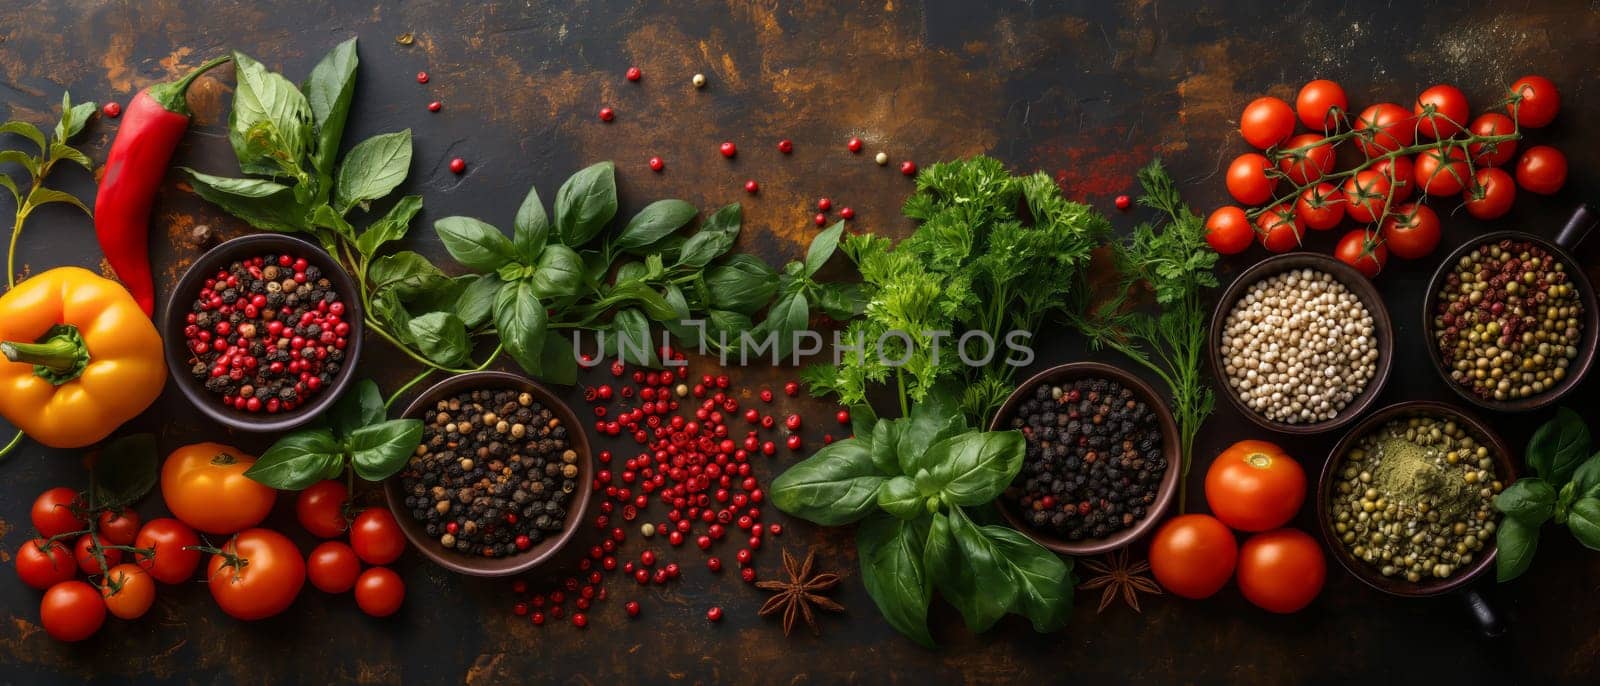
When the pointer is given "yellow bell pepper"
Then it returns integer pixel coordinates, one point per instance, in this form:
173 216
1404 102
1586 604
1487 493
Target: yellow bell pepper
81 357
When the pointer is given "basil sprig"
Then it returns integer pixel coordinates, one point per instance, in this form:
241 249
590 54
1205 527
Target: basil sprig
1565 488
353 435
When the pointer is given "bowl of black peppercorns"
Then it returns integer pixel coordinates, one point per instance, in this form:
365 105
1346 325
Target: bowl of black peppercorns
1101 462
502 477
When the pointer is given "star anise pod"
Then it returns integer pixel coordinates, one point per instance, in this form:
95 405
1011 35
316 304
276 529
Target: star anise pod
1118 577
796 596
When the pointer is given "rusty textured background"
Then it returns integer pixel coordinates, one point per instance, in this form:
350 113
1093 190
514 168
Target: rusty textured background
1086 90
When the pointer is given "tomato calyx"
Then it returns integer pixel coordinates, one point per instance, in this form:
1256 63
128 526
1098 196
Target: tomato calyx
1258 459
223 459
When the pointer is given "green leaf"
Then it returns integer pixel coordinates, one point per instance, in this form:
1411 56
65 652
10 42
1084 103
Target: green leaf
558 274
885 445
379 451
899 497
360 406
81 113
442 338
970 572
5 180
43 196
297 460
475 305
789 315
1586 478
822 247
836 486
1559 446
931 421
26 130
892 569
531 229
325 217
654 222
1516 542
270 126
521 319
28 162
479 246
557 363
842 301
742 283
373 169
863 421
127 468
406 273
392 226
63 151
1530 499
585 204
655 306
328 91
1043 581
705 246
260 203
974 467
1584 521
633 345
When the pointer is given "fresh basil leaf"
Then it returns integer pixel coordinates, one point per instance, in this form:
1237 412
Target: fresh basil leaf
885 445
360 406
724 221
892 569
380 450
1584 521
520 318
28 131
632 331
1043 581
725 323
558 274
557 363
654 222
475 305
297 460
703 247
836 486
639 293
406 273
934 419
328 91
1515 542
631 271
442 338
787 317
270 125
8 184
742 283
1559 446
126 469
478 245
686 334
325 217
899 497
1586 478
531 229
260 203
972 574
73 119
842 301
373 169
392 226
822 247
585 204
974 467
1530 499
863 421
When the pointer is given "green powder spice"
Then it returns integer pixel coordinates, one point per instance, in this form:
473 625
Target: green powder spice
1412 474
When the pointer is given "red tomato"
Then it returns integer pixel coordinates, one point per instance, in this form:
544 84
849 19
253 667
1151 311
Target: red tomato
1363 251
1411 231
333 567
1366 194
1247 180
1542 169
83 553
1303 160
55 512
42 564
1490 194
128 591
119 528
1386 127
72 611
1266 122
1255 486
1280 228
1228 230
257 575
170 539
1321 105
1492 154
1441 111
1534 101
1398 172
1281 571
1320 207
376 537
1442 170
380 592
320 509
1193 555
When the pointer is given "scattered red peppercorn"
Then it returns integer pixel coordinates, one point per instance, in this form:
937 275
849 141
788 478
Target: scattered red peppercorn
820 219
791 388
538 619
112 110
785 146
774 529
1124 202
580 620
792 422
728 150
847 214
793 441
458 165
714 564
748 574
908 168
422 77
657 164
843 416
634 74
632 608
714 614
854 145
435 106
607 114
752 187
824 204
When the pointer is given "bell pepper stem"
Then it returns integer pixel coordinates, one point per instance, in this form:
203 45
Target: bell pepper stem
60 356
173 95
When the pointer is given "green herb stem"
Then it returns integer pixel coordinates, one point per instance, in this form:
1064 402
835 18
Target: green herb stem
12 444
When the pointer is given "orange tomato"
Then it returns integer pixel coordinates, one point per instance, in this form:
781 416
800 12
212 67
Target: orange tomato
1281 571
1193 555
128 590
1255 486
205 487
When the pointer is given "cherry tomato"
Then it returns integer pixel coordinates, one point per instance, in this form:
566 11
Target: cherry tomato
1320 207
1363 251
1490 194
1387 127
1535 101
55 512
119 528
85 556
170 539
1193 555
42 564
380 591
1365 195
1255 486
257 575
332 567
205 486
1247 180
1228 230
1399 172
1309 161
1281 571
1492 154
1542 169
128 591
72 611
1321 104
320 509
1280 228
1441 111
1411 231
376 537
1442 170
1266 122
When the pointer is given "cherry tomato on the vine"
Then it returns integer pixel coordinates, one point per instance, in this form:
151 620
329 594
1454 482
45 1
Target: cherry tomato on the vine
257 575
1303 160
55 512
1321 104
83 552
1441 111
1363 251
1321 207
1534 101
1281 571
380 592
42 565
119 528
376 537
1280 228
1266 122
1496 153
320 508
1399 172
173 562
1490 194
128 591
1248 181
1542 169
1365 195
1385 127
1411 231
332 567
1442 170
1228 230
1255 486
72 611
1193 555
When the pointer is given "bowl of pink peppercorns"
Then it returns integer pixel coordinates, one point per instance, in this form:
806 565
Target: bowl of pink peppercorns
262 332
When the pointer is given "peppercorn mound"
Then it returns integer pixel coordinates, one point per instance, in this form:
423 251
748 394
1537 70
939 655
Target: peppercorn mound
1094 460
494 473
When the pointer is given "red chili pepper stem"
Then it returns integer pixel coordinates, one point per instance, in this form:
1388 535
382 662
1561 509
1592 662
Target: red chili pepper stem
173 95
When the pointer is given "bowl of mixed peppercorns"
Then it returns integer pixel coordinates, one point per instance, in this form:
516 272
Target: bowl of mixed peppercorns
502 477
1101 461
263 332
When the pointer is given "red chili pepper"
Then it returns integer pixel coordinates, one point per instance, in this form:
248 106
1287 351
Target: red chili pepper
153 123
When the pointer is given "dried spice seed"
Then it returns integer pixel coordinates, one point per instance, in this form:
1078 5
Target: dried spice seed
854 145
1119 578
657 164
434 106
699 80
752 187
785 146
607 114
422 77
458 165
847 214
633 74
908 168
795 597
882 159
728 149
112 110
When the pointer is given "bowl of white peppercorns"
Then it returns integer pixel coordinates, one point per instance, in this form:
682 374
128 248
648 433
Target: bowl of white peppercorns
1302 343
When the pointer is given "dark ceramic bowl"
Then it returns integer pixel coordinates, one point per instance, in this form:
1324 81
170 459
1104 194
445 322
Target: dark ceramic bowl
473 565
1326 486
1583 219
1170 447
180 358
1360 286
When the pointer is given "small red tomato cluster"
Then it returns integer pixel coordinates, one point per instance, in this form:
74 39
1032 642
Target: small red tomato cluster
1431 149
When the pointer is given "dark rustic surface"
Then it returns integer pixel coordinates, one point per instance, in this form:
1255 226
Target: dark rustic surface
1085 90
